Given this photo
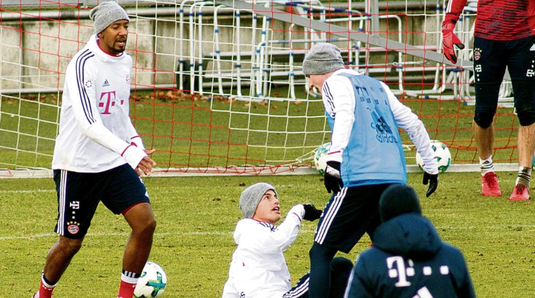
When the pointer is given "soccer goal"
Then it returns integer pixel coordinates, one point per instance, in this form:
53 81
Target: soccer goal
217 86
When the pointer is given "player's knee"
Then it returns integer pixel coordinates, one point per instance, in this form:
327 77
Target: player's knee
312 252
526 116
320 252
484 119
153 224
315 251
70 246
149 226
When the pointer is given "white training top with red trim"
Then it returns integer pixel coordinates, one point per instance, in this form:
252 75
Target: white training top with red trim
95 131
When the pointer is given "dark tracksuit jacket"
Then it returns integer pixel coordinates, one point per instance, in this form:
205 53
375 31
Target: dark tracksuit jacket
409 260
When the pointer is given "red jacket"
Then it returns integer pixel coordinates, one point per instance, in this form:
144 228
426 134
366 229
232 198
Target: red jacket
498 19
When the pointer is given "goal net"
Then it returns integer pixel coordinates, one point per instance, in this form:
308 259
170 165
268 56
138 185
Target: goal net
217 86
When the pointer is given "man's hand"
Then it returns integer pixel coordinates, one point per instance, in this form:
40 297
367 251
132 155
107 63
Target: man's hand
449 39
331 178
311 213
432 179
146 165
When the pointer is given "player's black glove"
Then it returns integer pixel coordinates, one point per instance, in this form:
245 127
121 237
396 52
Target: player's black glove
331 178
311 213
433 183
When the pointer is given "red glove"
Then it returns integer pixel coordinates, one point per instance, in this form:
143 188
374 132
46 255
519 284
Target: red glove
448 40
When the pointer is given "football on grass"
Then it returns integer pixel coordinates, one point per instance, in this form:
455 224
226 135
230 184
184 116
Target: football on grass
152 282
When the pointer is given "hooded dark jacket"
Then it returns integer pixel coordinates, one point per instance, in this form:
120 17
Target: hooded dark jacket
408 259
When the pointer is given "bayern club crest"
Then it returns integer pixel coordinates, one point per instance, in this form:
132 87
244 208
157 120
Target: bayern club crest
477 54
73 227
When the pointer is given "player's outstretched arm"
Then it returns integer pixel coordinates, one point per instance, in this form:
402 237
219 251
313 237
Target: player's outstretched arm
285 234
311 212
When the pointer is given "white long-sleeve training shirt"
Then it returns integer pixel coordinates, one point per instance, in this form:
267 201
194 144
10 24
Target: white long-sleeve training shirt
341 103
95 130
258 268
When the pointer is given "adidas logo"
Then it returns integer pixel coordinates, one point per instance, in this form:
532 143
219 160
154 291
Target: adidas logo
106 83
532 48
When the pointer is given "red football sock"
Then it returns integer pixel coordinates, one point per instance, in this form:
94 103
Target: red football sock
45 291
126 290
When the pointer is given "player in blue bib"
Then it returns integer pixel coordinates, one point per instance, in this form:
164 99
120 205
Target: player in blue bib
366 155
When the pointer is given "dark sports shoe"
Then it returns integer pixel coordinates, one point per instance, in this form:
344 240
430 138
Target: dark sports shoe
490 186
520 193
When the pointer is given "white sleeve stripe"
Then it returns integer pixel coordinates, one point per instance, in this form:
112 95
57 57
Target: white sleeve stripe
86 105
448 7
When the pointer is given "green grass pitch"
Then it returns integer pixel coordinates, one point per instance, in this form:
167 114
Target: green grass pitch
196 217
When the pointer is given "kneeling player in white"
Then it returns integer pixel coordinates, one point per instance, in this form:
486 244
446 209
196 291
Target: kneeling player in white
258 268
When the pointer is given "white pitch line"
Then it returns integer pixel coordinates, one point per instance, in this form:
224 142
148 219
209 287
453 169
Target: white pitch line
27 191
47 235
229 233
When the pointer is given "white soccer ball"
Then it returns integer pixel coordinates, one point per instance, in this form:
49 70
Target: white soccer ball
152 281
443 156
320 157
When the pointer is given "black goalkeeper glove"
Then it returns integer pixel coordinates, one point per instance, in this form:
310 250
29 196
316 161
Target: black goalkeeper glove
331 177
311 213
433 183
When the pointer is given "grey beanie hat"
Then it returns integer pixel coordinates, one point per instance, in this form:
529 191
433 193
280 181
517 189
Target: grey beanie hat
251 196
105 14
322 58
398 199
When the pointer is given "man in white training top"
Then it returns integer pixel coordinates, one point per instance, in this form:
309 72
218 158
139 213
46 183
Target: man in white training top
99 156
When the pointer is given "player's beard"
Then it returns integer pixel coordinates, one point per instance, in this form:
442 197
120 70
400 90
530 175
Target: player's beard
118 48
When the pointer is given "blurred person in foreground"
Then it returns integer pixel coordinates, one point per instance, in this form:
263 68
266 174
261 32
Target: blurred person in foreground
258 268
408 259
365 157
99 156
